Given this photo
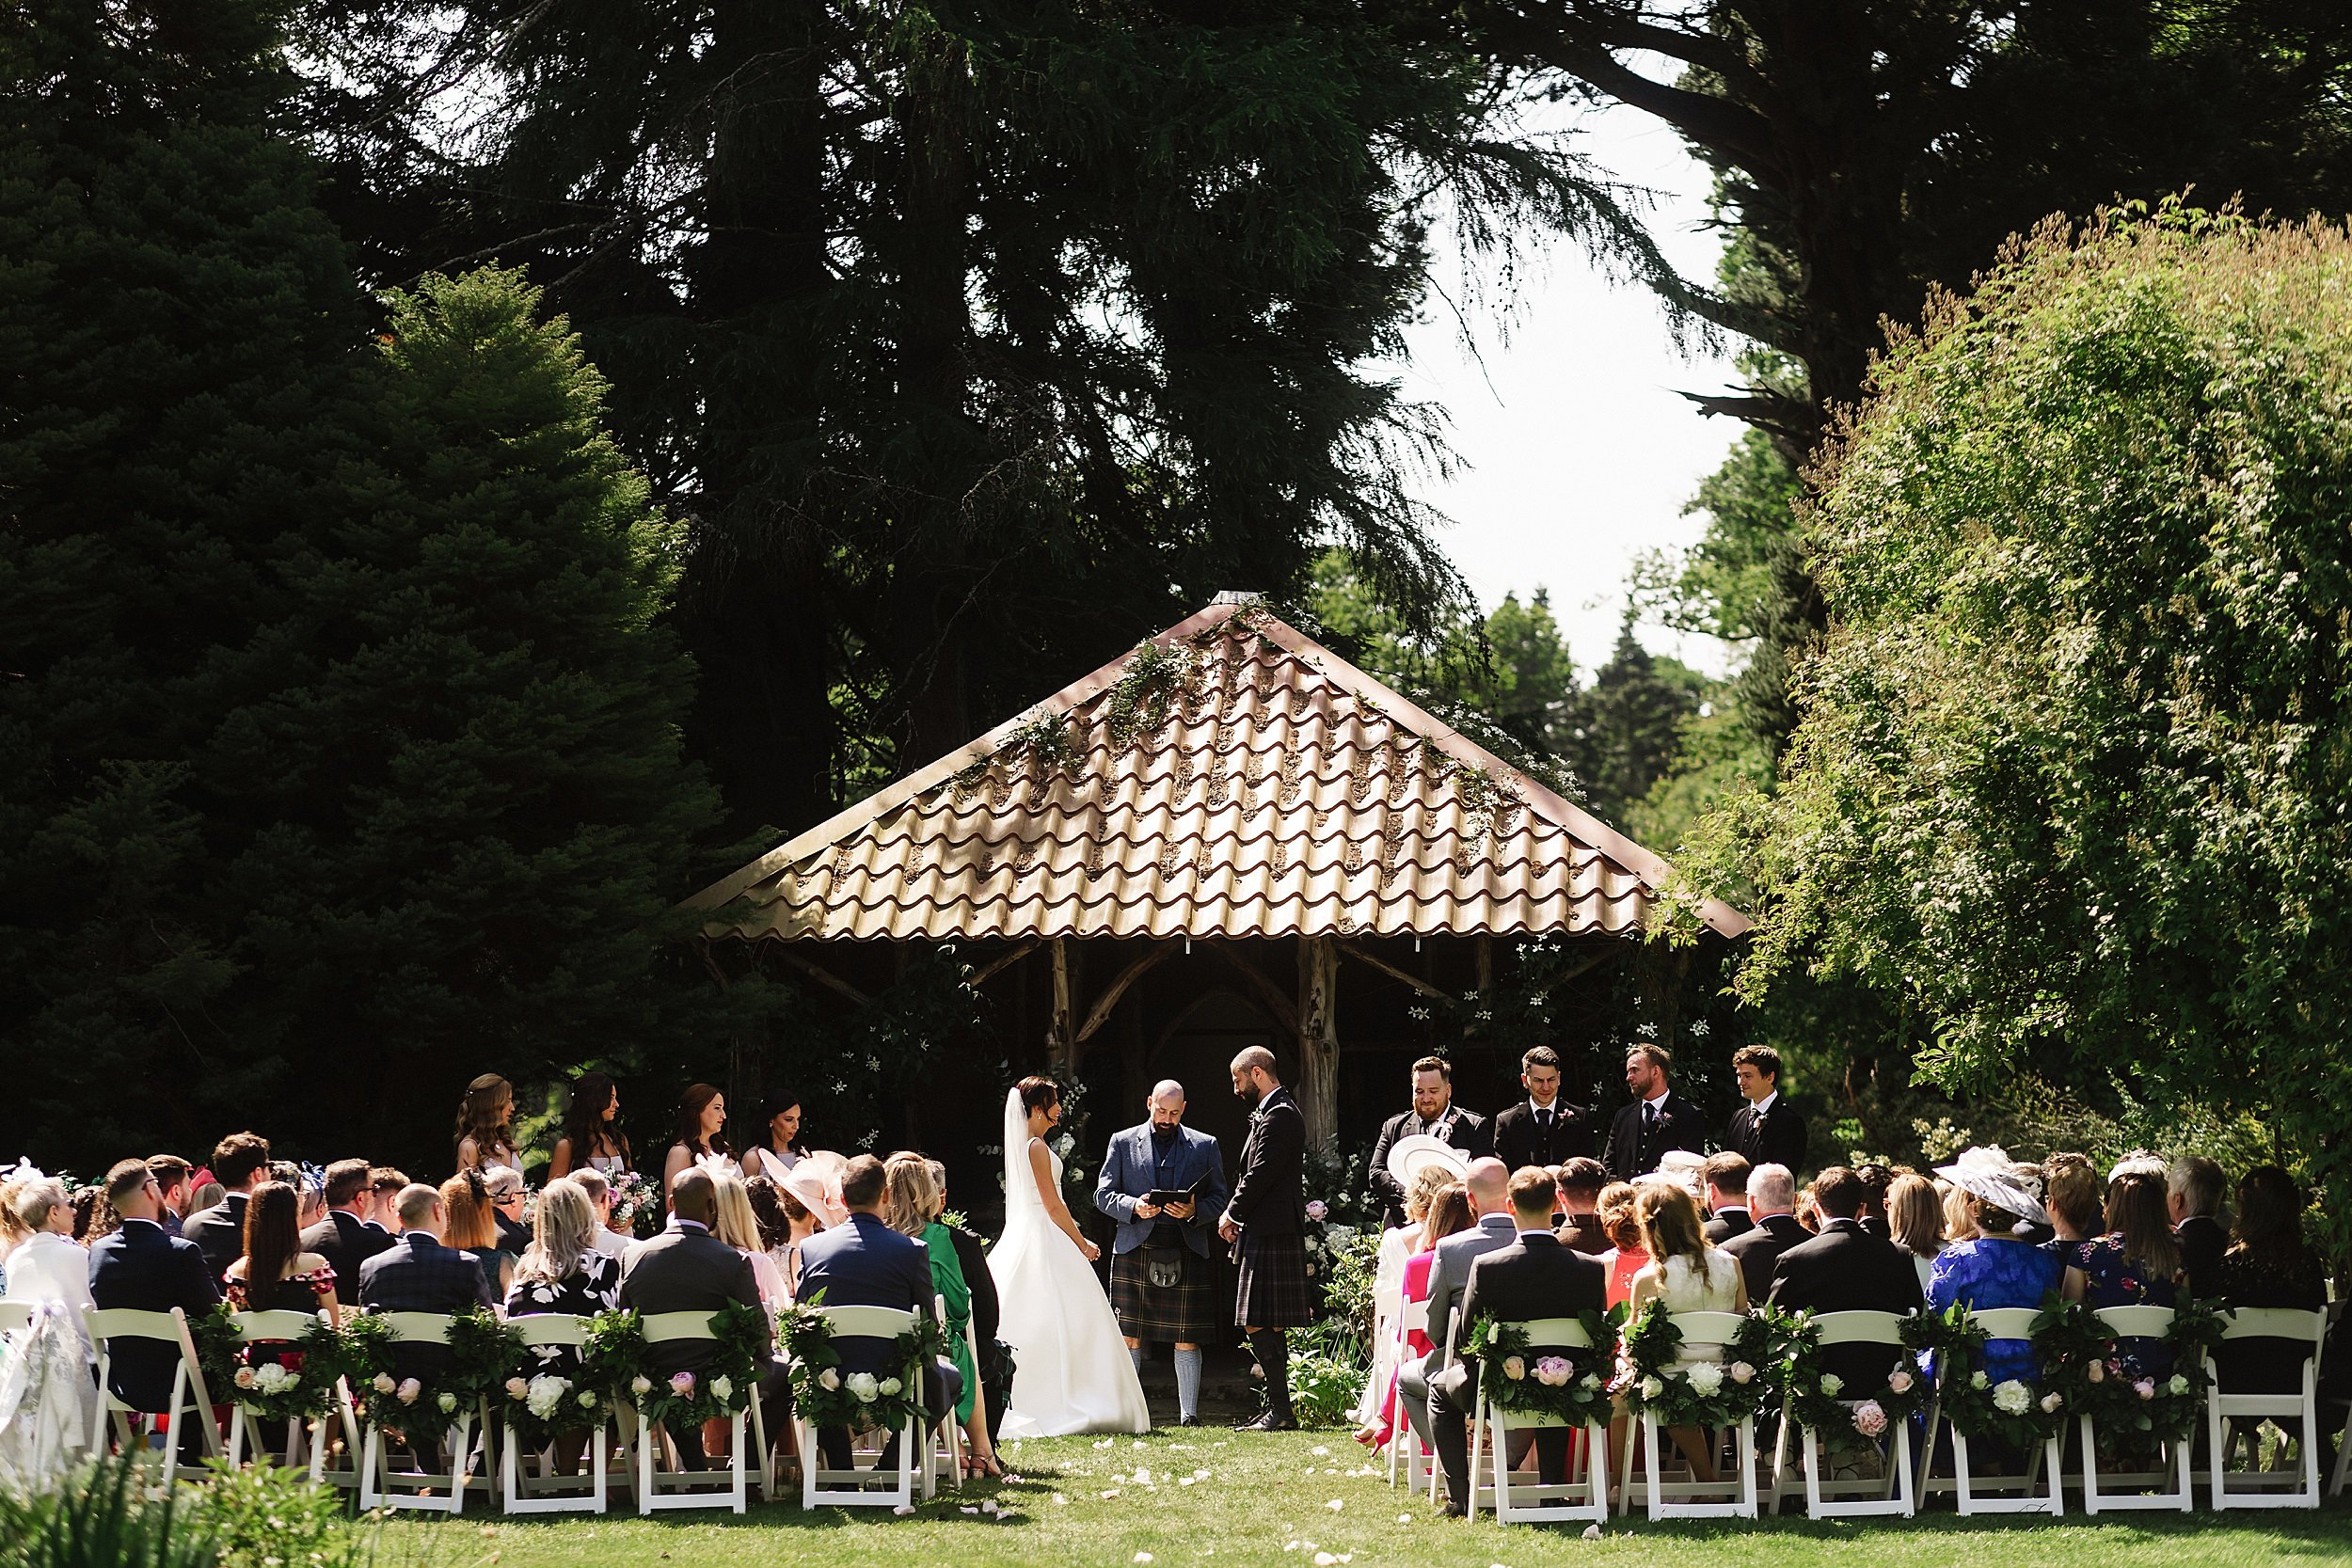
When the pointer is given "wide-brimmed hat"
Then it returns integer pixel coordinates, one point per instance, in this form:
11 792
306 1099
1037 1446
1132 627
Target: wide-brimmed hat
818 1190
1987 1173
1409 1156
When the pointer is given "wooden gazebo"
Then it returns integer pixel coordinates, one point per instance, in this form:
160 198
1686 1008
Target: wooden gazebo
1230 787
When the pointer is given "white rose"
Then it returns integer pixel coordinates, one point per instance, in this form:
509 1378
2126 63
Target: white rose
1899 1381
1831 1383
588 1401
1977 1380
865 1385
382 1383
641 1385
1741 1371
1706 1379
448 1404
829 1380
2013 1397
722 1387
1651 1388
2179 1383
891 1388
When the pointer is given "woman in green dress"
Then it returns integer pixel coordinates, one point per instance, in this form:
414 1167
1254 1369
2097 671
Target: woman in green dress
910 1205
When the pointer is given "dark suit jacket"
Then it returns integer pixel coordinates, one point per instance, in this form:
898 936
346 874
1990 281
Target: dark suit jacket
861 1263
1632 1153
1270 1191
1583 1233
1760 1246
345 1241
1520 1140
1469 1133
1845 1269
1730 1223
687 1269
218 1232
420 1275
141 1267
1533 1277
2203 1242
986 1311
1777 1138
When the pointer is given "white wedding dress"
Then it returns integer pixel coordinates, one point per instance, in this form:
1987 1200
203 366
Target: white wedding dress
1072 1370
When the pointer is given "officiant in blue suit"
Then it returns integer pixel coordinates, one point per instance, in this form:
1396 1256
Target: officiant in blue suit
1163 1286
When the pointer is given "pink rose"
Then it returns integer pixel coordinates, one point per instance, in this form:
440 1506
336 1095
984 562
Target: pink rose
516 1388
1869 1418
408 1390
2145 1388
1900 1382
2097 1372
244 1377
1316 1211
682 1384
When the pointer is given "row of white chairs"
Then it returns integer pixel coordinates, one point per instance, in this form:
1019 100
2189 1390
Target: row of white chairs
617 1446
1907 1476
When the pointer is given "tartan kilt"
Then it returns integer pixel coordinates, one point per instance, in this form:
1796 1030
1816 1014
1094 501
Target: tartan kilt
1272 1292
1185 1312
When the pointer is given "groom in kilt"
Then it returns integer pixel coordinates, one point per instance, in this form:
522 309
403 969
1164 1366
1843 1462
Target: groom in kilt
1265 1220
1161 1285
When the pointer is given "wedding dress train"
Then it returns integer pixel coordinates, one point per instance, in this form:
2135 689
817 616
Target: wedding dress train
1073 1372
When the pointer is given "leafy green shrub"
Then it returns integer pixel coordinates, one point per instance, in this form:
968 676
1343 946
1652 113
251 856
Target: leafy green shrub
1326 1380
101 1519
268 1516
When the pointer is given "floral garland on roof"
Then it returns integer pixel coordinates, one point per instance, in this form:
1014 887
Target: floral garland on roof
1721 1392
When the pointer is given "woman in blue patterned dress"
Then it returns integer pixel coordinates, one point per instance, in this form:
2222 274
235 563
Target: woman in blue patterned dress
1994 1269
2137 1263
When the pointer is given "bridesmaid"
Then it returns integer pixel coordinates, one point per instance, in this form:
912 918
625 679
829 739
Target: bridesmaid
783 1150
702 1120
591 1130
485 1119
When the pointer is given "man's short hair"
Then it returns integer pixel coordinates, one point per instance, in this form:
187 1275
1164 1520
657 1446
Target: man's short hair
2198 1180
594 1180
1839 1192
1773 1187
1761 1057
1540 1056
1437 1065
1534 1191
126 1176
1726 1172
236 1157
416 1204
693 1196
1657 1055
1582 1176
170 1170
345 1181
387 1179
862 1182
1256 1056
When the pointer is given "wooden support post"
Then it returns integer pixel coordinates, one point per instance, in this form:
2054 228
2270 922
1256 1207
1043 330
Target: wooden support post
1061 1036
1319 1038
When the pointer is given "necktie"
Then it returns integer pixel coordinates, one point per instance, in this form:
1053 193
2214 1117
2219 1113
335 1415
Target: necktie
1543 1119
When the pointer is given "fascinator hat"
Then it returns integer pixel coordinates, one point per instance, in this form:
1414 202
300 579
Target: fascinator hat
1987 1174
1409 1156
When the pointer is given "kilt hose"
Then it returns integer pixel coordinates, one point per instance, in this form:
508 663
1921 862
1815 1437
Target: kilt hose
1272 1292
1183 1313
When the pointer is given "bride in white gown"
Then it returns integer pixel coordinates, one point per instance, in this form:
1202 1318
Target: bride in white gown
1073 1370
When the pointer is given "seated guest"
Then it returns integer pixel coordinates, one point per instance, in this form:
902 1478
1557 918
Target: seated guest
385 1185
775 1225
1958 1226
277 1273
1773 1200
420 1275
1581 1181
562 1271
1543 1129
2076 1204
142 1267
176 1176
863 1262
2034 1233
2137 1263
344 1238
1489 1187
2194 1199
996 1369
1686 1275
504 1184
309 1190
1531 1278
1767 1128
1726 1178
1687 1169
203 1193
1993 1268
47 1266
1624 1258
2268 1264
1448 1214
1845 1269
240 1164
1876 1179
687 1268
1915 1215
1435 1116
735 1223
1397 1246
468 1226
912 1205
599 1192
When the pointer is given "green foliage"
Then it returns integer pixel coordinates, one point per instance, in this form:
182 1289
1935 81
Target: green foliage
1833 1408
1351 1265
1155 677
1574 1389
482 1353
1327 1381
824 1394
104 1518
1717 1393
2068 786
261 1515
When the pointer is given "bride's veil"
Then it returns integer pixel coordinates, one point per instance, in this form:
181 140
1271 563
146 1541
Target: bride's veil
1023 1206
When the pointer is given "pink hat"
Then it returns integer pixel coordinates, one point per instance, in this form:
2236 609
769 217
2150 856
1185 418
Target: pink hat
819 1196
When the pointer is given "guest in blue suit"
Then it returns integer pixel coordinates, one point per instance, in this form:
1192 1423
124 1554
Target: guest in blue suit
1163 1286
863 1262
141 1267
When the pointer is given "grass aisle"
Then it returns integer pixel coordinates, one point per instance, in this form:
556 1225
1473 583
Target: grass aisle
1270 1500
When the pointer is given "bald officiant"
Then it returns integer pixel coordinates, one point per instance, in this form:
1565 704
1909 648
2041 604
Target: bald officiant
1164 1184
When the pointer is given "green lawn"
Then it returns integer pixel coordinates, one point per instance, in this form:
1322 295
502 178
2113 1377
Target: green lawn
1269 1501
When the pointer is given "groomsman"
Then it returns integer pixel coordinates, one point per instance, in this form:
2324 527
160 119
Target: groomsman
1767 1131
1265 1224
1434 1114
1657 1120
1543 1129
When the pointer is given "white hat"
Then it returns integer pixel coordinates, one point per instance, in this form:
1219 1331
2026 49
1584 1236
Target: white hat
1987 1173
1411 1155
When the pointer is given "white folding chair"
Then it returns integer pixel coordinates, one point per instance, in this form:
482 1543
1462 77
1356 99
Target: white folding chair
245 1426
943 1455
743 1427
1830 1499
1405 1446
2136 1489
1695 1498
2042 1488
529 1483
2260 1489
854 1488
429 1491
14 1316
189 1401
1388 1349
1522 1501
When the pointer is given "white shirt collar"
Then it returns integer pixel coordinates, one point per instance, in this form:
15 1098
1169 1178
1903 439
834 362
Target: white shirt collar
1766 1104
1659 1100
1553 1107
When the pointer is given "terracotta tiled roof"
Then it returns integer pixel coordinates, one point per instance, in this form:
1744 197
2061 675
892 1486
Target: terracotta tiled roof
1285 793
